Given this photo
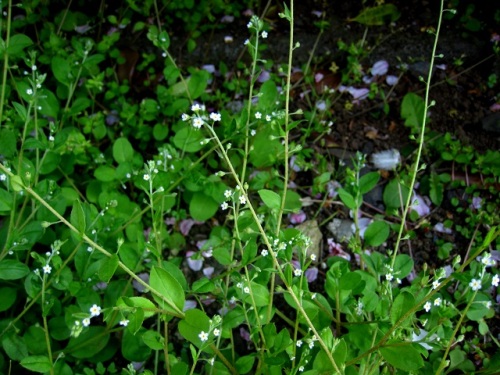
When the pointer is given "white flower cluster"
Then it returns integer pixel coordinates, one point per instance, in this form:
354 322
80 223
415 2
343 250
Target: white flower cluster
199 118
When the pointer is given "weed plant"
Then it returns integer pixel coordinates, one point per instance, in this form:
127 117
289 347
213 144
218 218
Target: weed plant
150 236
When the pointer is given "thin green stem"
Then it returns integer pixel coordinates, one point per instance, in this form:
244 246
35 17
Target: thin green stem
421 138
5 61
442 365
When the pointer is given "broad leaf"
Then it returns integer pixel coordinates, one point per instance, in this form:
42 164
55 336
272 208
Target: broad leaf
402 356
270 199
170 289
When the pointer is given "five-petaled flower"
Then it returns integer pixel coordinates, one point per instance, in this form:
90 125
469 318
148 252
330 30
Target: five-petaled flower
224 206
437 301
264 34
47 268
427 306
197 122
258 115
95 310
243 200
475 284
216 332
86 322
495 280
215 116
203 336
124 322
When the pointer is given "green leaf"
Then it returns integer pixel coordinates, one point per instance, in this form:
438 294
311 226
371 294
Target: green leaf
172 292
8 142
153 339
376 233
16 183
133 348
77 217
8 298
15 347
104 173
21 110
403 265
244 364
122 150
17 43
349 281
412 111
270 199
198 83
292 201
347 199
402 304
378 16
368 182
260 294
202 207
11 269
403 356
194 322
395 194
108 268
189 139
6 200
436 189
62 70
37 363
91 341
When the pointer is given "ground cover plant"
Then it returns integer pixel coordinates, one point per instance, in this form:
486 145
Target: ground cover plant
166 217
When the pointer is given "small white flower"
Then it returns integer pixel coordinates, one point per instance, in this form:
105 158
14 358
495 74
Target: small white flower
475 284
243 200
246 42
51 138
246 290
197 122
311 344
297 272
264 34
389 277
253 132
427 306
215 116
299 343
211 361
313 257
33 67
228 194
203 336
224 206
301 368
124 322
195 107
249 24
216 332
488 305
495 280
437 301
228 39
435 284
258 115
264 252
398 280
185 117
268 118
29 91
239 285
86 322
95 310
146 177
89 249
47 269
3 177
